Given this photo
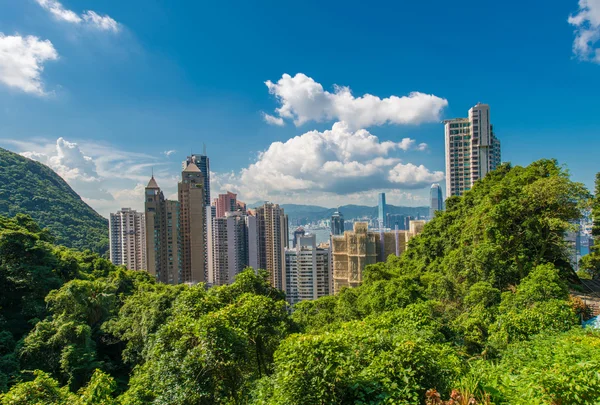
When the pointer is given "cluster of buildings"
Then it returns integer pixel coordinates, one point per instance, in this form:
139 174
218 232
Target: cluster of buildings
195 240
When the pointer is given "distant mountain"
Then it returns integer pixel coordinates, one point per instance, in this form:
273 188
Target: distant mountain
302 214
29 187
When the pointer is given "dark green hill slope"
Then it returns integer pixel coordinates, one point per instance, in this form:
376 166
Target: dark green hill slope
29 187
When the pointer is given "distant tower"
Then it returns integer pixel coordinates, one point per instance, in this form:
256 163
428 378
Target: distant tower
437 200
472 150
163 258
128 239
192 225
337 223
382 210
298 233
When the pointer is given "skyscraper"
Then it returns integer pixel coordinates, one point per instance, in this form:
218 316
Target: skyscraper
226 203
436 201
229 242
273 235
192 224
382 210
307 271
337 223
163 255
203 163
127 236
472 149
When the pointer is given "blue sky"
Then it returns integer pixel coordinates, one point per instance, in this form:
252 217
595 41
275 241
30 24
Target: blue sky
102 96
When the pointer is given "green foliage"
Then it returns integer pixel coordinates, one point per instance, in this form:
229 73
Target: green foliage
551 369
390 358
212 346
539 305
29 187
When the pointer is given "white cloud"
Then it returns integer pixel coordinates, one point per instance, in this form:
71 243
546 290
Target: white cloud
105 177
88 18
302 99
102 22
271 120
22 62
587 32
411 176
168 153
333 162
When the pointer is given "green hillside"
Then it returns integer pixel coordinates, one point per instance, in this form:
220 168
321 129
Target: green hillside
29 187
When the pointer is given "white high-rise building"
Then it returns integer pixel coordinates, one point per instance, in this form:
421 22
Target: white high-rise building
128 239
307 271
472 149
231 247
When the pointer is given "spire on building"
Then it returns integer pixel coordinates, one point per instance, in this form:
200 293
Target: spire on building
192 168
152 183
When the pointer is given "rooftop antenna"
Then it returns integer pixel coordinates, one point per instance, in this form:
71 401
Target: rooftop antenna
152 171
203 148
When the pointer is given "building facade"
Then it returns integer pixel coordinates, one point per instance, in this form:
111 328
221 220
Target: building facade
273 239
337 223
192 225
307 271
127 234
229 247
436 200
225 203
472 150
163 247
356 249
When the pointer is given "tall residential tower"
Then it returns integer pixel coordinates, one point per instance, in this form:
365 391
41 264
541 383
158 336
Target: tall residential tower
128 239
163 259
273 238
472 149
192 225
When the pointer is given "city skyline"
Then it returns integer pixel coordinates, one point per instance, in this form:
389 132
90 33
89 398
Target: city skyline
112 101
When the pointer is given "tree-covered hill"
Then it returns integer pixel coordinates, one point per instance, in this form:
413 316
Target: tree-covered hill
29 187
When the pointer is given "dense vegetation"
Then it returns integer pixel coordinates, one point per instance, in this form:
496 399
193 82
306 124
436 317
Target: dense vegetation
476 311
590 264
29 187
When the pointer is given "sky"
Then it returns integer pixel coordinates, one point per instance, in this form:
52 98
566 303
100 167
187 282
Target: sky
323 103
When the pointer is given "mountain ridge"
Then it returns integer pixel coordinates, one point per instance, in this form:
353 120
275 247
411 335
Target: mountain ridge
30 187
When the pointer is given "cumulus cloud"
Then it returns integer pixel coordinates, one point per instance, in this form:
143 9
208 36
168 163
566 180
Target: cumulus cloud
332 162
79 170
587 30
168 153
22 62
88 18
271 120
302 99
106 177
